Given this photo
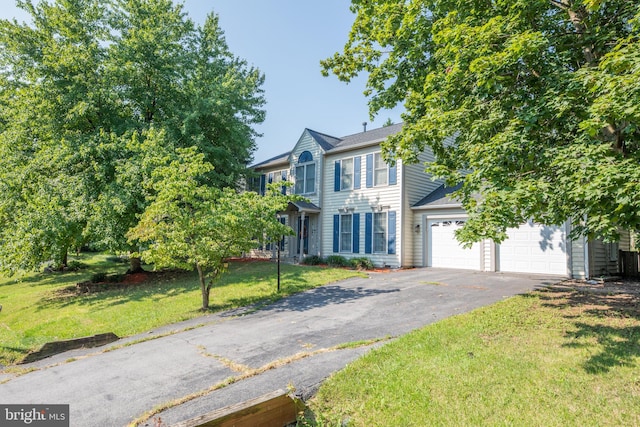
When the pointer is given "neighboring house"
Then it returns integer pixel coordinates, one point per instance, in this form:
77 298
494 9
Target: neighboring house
398 216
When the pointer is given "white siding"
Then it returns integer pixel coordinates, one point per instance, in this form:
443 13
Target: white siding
416 185
625 241
361 201
578 270
307 143
604 256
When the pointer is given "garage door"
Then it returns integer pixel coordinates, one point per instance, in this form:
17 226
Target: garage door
445 251
534 248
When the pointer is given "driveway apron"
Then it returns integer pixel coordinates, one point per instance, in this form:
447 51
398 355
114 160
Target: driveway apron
295 342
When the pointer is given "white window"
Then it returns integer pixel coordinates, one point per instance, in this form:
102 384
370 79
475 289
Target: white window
305 174
380 170
380 232
346 229
346 174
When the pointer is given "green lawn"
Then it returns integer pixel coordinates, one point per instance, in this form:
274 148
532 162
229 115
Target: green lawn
544 359
34 310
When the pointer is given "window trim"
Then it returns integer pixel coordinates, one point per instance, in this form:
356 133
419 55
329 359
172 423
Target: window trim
385 233
305 180
378 155
343 233
343 174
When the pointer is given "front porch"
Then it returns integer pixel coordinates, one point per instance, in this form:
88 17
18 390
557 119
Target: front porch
304 219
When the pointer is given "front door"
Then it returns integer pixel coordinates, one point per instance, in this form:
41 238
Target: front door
303 234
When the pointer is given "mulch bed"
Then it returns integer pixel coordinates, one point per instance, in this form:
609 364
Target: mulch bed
613 297
124 281
613 285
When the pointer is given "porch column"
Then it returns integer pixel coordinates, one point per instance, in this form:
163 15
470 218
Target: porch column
301 236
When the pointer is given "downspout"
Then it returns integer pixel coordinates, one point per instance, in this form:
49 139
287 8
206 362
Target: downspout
586 258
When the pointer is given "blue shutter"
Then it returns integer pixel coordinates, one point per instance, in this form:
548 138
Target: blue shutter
357 172
356 234
284 179
368 233
263 184
391 233
393 174
336 233
336 176
369 170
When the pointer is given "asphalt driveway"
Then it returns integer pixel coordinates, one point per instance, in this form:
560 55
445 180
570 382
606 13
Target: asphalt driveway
294 342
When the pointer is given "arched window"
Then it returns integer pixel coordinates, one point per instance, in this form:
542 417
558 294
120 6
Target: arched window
305 157
305 174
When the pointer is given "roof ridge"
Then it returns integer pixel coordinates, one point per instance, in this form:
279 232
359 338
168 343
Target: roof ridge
323 134
372 130
285 154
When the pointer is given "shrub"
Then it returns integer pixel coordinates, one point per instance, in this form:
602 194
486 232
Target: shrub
115 278
118 259
98 277
313 260
337 261
361 263
76 265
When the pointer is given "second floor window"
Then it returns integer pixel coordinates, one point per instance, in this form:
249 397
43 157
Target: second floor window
305 174
346 174
380 170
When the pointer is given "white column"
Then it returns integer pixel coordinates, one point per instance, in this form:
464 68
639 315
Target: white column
301 237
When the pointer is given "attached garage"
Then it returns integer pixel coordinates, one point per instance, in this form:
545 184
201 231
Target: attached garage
529 248
445 251
534 248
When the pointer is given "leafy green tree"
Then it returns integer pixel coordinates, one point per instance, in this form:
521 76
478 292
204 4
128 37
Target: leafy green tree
82 87
51 108
191 225
541 98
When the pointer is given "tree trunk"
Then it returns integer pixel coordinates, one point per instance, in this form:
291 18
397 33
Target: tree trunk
204 289
65 259
135 265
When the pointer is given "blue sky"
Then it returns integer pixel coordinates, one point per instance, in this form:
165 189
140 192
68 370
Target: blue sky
286 39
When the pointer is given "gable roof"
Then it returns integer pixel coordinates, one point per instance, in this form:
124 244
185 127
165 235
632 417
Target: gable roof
439 198
332 144
327 142
280 159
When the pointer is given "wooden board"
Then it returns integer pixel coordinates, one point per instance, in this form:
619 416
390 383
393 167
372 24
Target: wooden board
274 409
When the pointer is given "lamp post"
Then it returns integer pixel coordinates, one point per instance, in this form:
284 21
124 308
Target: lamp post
279 243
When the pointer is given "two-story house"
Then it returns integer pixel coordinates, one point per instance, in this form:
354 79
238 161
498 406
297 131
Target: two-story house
398 216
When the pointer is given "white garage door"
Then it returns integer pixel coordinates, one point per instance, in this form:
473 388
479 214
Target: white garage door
534 248
445 251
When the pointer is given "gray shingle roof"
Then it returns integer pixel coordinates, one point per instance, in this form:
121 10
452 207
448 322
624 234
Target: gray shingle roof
277 160
301 206
439 197
327 142
373 136
333 144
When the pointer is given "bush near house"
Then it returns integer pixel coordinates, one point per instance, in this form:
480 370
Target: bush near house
313 260
361 263
337 261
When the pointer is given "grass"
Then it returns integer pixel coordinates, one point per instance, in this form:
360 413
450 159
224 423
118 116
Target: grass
35 311
548 358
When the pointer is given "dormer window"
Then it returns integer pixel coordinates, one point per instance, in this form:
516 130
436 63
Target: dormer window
305 174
